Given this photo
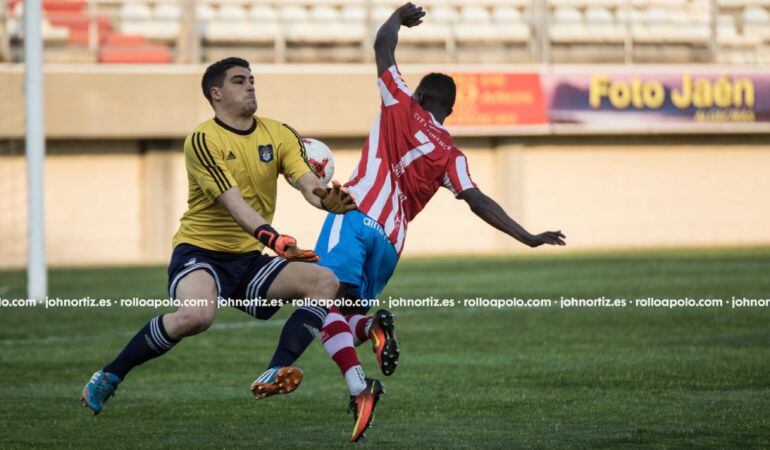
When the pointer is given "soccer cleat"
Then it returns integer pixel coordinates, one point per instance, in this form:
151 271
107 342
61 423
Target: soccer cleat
98 390
276 380
362 406
384 344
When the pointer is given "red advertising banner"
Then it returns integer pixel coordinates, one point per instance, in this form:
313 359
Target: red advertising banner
659 100
498 99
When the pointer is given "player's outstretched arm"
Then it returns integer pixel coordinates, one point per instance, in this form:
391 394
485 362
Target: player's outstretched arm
492 213
385 43
256 225
335 199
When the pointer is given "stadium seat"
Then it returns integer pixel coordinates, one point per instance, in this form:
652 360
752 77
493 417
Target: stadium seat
234 24
54 34
136 18
567 25
444 14
352 24
166 22
432 30
51 34
63 22
695 25
167 11
742 3
230 11
475 14
325 25
601 25
735 48
587 3
756 22
304 26
262 14
204 13
659 25
353 14
134 12
482 26
475 25
295 20
509 25
726 29
478 24
294 13
655 26
380 14
506 14
487 3
161 23
147 54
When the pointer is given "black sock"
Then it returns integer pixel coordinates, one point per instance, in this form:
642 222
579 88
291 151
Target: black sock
297 334
150 342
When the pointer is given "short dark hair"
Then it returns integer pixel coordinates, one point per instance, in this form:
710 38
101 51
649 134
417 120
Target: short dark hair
439 87
215 74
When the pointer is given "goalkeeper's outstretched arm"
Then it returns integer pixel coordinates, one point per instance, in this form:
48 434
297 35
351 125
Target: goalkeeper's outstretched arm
335 199
242 212
256 225
385 43
492 213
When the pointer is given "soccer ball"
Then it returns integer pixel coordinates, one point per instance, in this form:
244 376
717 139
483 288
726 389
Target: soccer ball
320 159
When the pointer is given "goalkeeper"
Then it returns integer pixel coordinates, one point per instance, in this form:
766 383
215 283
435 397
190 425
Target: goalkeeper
233 162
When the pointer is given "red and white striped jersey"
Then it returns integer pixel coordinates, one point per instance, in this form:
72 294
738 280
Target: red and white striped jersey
407 157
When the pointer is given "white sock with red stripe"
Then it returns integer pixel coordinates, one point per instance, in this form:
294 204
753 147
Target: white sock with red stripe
338 343
359 325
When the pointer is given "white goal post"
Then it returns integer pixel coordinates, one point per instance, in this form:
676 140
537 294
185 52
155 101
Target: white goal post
37 283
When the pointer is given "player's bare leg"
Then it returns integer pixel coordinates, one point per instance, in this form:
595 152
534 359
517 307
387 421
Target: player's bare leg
191 320
157 337
296 281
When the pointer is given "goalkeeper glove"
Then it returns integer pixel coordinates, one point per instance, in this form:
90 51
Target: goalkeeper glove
283 245
335 199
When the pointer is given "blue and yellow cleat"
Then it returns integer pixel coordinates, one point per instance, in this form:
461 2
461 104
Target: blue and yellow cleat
98 390
276 380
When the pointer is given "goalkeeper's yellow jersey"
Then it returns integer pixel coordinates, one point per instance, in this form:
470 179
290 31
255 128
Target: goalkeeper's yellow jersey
218 158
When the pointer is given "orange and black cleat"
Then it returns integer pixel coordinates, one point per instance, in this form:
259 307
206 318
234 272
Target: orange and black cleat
362 406
384 344
276 380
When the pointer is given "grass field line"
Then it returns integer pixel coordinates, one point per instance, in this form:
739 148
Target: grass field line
215 326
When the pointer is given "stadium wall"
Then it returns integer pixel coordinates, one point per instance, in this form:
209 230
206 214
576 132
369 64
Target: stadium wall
116 183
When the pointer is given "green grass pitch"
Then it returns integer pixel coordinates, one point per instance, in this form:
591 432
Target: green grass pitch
545 377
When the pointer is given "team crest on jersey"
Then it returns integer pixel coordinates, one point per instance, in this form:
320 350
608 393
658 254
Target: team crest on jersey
266 153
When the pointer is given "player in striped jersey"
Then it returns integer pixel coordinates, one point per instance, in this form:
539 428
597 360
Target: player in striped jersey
233 162
409 155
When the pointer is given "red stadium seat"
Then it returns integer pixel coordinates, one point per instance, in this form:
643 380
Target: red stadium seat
127 48
123 40
64 5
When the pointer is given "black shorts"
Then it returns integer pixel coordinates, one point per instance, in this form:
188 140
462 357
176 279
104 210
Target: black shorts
242 276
